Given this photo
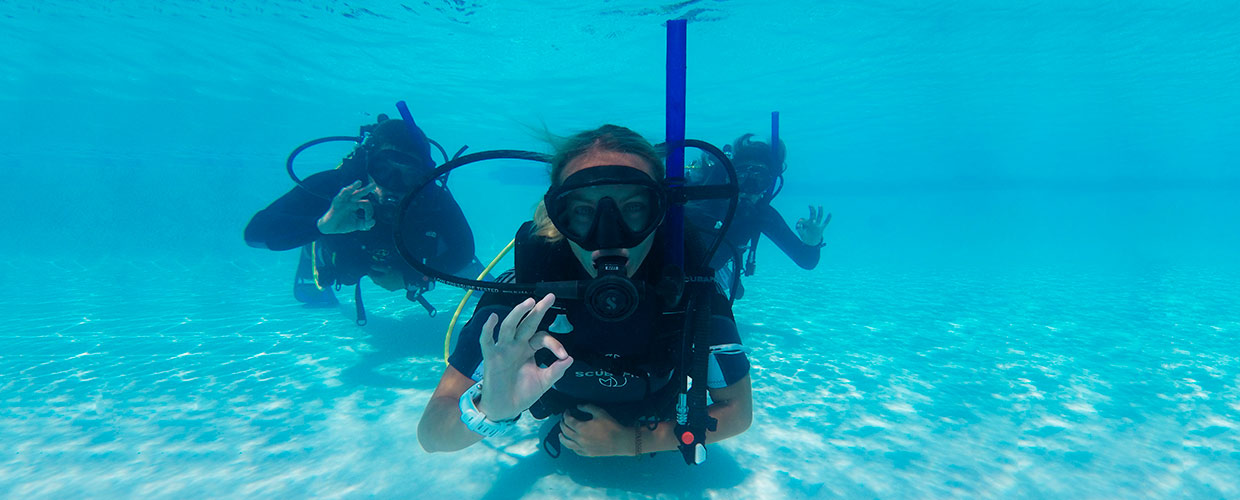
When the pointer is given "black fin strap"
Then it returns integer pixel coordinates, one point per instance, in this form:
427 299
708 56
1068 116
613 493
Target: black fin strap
551 442
357 300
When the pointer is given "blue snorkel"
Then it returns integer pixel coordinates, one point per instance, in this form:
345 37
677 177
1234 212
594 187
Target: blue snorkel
772 191
419 138
775 134
675 130
692 419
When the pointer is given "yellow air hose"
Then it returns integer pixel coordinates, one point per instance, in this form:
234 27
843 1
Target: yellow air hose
447 338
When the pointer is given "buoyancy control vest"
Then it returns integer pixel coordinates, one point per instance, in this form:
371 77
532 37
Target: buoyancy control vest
625 367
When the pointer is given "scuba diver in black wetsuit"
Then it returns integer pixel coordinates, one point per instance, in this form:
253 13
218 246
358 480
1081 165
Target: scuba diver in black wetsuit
343 219
608 353
759 170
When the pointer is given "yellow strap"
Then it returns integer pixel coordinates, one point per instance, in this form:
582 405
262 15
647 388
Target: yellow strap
447 338
314 264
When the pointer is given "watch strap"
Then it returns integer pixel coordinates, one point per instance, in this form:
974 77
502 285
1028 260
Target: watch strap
475 420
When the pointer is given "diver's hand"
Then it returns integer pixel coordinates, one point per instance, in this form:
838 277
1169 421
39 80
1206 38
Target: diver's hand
386 278
810 230
512 380
600 436
350 210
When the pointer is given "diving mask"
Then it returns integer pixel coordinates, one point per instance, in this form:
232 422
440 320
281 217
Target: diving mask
607 206
754 178
395 171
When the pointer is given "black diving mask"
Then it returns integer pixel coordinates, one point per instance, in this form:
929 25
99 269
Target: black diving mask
754 178
607 206
395 170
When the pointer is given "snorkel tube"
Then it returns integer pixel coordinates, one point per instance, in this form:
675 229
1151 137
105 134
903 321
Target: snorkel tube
420 137
692 420
420 142
775 134
675 144
778 186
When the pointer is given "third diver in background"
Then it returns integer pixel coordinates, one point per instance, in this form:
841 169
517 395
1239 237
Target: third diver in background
759 170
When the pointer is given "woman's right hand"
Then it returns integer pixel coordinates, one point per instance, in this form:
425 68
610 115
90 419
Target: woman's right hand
513 381
350 210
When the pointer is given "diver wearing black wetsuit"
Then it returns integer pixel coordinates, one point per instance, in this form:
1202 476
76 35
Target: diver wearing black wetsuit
602 330
435 228
624 374
758 167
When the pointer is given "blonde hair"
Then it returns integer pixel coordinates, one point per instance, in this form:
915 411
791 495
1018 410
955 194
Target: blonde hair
606 138
543 227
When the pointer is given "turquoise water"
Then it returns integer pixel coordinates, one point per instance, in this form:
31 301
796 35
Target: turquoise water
1030 288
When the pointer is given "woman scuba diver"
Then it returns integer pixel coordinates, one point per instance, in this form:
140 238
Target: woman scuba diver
611 376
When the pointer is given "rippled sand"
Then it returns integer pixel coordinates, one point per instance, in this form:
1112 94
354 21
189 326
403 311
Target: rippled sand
124 379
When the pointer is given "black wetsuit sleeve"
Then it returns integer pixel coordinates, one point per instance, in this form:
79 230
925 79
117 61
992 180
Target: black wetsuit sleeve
291 221
455 244
466 356
774 227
